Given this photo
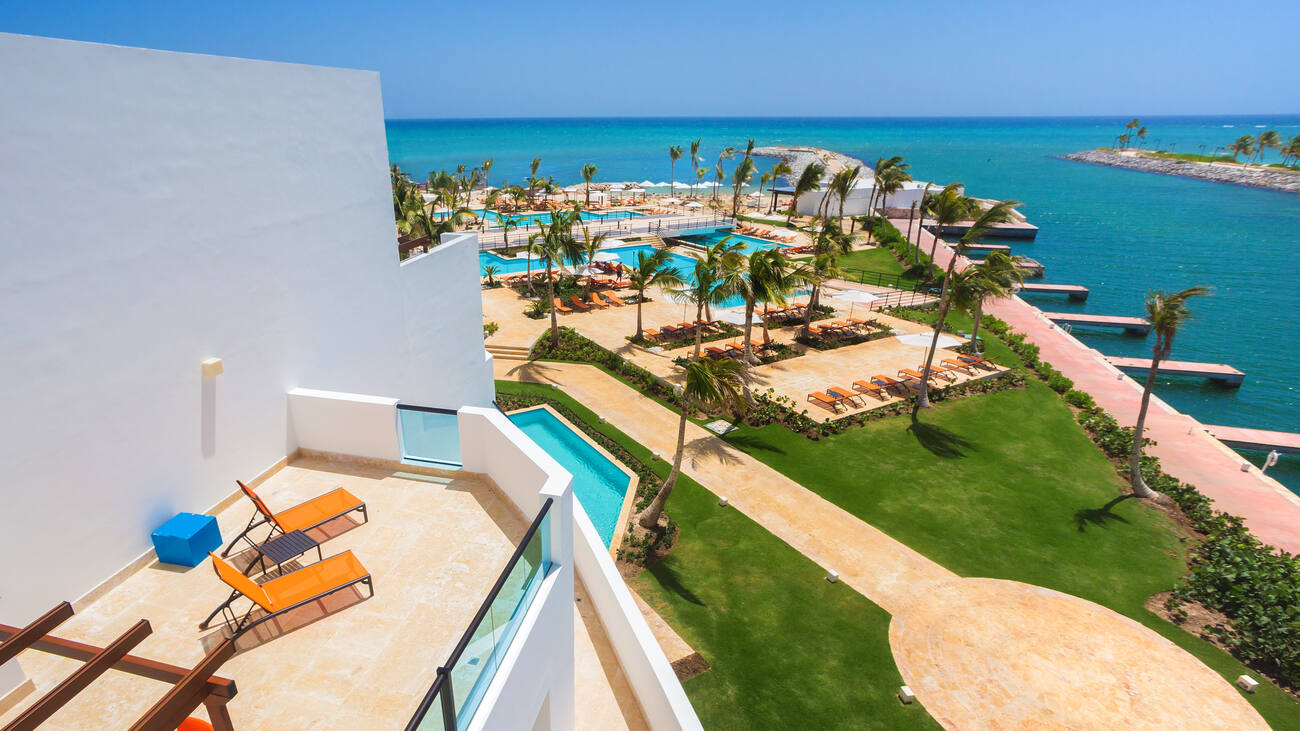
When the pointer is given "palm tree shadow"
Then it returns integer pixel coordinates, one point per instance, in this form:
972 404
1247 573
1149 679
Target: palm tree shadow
670 580
751 444
1099 517
939 441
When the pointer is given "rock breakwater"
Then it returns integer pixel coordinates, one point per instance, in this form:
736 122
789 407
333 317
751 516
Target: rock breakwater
1257 177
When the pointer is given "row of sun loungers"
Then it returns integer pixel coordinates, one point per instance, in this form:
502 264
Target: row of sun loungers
668 333
840 328
597 300
736 349
784 314
766 233
836 398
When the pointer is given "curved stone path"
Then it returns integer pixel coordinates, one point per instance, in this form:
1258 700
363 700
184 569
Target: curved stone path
994 654
978 653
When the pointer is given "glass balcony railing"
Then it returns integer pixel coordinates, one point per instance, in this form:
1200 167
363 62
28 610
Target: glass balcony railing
429 435
460 684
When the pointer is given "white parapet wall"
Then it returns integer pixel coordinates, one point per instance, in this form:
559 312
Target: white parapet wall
533 688
344 423
515 467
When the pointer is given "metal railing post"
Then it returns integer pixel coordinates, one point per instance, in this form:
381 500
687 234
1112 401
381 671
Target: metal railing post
448 701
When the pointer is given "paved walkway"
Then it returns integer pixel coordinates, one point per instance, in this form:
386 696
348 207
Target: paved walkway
979 653
1185 448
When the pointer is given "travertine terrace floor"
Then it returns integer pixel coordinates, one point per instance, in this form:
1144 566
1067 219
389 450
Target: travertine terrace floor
434 546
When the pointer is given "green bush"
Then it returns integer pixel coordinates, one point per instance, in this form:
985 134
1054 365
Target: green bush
1080 399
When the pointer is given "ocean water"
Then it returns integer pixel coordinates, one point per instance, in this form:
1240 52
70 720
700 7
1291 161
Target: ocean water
1119 232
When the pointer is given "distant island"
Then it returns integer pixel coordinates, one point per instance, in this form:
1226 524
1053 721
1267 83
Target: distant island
1217 168
1219 171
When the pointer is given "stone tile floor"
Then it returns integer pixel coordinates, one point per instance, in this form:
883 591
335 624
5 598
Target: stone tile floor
434 546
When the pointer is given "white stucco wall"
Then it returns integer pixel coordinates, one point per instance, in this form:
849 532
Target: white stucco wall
344 423
858 201
537 673
157 209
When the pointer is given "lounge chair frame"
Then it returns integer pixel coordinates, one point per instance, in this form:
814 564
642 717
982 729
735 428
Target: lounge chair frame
263 515
239 625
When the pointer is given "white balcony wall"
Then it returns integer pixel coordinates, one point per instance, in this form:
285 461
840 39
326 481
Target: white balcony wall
536 677
157 209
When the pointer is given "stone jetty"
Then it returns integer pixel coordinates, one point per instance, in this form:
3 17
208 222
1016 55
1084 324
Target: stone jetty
1259 177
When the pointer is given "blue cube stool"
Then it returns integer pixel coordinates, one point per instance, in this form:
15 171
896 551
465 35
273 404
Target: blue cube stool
186 539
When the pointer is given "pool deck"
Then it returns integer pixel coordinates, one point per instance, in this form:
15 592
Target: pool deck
1185 447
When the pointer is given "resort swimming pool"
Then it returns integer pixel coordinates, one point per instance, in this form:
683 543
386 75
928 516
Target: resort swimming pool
713 236
598 484
532 219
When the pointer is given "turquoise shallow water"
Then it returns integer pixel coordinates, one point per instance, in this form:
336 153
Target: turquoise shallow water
599 484
1118 232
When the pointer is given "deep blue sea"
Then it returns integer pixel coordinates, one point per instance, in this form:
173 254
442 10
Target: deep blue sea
1119 232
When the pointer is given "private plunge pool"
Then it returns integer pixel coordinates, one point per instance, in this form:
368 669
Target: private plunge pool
601 485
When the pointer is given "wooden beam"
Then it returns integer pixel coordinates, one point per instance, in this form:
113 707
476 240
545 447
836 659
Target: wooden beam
186 695
32 633
96 666
133 664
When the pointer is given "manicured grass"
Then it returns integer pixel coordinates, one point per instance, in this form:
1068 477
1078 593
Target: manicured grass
1006 485
787 649
879 259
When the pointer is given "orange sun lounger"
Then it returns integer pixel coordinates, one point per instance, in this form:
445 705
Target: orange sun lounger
287 591
304 516
826 400
872 387
579 303
843 394
560 306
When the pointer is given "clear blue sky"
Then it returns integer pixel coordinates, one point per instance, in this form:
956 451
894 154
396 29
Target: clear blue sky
478 58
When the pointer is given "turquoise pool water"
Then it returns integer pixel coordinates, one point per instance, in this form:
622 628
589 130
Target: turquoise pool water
713 236
598 483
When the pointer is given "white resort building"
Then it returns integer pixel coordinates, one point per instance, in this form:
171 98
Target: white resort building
201 286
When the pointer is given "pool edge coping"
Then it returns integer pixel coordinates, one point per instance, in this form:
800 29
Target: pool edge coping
634 480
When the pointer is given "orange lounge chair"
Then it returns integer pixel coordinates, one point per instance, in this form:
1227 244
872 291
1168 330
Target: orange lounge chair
714 352
977 361
875 389
650 334
959 365
608 299
844 394
908 372
596 301
825 399
935 370
304 516
561 307
287 591
579 303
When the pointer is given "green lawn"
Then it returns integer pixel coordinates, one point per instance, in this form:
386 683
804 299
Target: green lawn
878 259
787 649
1005 485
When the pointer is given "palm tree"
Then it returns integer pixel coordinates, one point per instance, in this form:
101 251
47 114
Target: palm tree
490 271
778 170
997 213
763 180
426 224
507 223
739 177
590 247
1166 311
588 172
921 208
843 185
712 281
711 385
1292 150
1132 125
947 208
809 180
1243 145
695 155
555 244
486 167
699 177
532 177
653 270
489 200
828 245
995 278
727 153
766 276
674 154
719 175
1267 141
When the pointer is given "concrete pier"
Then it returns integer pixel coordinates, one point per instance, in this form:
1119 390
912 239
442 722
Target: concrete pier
1077 292
1131 325
986 248
1257 439
1008 230
1218 372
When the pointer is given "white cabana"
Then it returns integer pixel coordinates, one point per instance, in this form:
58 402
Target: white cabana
855 296
605 255
922 340
671 201
694 204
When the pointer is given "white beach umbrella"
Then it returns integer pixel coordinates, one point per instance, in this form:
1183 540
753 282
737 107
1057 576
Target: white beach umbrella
649 184
854 296
694 204
671 201
605 255
616 186
922 340
734 316
589 272
636 190
611 243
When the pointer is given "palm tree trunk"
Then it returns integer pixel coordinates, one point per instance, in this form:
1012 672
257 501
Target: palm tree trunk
1140 487
923 395
550 294
749 329
639 298
975 329
934 245
808 312
699 312
650 518
672 176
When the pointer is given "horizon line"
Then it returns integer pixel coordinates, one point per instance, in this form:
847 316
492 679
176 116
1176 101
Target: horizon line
846 117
